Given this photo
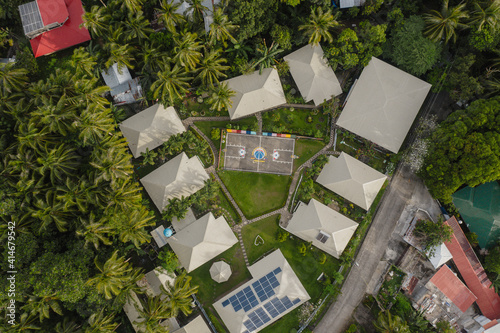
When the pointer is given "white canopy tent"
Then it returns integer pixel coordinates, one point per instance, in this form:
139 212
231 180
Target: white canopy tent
220 271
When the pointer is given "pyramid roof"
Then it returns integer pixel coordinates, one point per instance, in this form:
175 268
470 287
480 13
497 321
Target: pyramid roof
314 78
383 104
181 176
352 179
201 241
150 128
255 92
327 229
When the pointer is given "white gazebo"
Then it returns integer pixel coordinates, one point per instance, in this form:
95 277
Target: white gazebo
151 128
383 104
255 92
314 78
220 271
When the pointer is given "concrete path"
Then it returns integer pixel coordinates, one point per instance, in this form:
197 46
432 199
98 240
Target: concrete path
402 187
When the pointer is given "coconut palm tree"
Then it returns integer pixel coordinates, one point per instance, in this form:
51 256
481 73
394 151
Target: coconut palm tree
172 82
97 20
57 117
153 311
137 27
196 10
151 57
319 25
95 232
266 56
149 157
221 28
486 13
133 227
127 196
101 323
133 6
178 295
220 99
25 323
445 23
167 14
211 68
111 164
121 54
386 323
114 274
59 163
187 50
94 124
83 62
12 79
49 211
41 306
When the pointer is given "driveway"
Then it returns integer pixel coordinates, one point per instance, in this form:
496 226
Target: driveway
403 186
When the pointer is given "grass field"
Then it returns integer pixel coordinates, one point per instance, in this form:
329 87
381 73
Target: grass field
256 193
305 149
206 126
209 290
295 122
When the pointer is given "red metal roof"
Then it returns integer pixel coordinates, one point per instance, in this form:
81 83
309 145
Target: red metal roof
472 272
68 35
52 11
453 288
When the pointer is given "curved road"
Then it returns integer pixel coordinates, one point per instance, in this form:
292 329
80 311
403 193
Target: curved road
402 187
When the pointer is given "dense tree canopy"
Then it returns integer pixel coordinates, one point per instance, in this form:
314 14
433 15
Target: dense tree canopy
465 149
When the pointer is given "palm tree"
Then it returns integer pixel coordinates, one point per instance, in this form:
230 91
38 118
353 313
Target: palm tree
153 311
41 306
99 323
149 157
386 323
97 20
487 12
77 193
151 57
187 50
12 79
67 326
94 232
59 163
111 164
94 124
133 228
221 28
25 324
83 62
121 54
137 27
58 118
211 68
167 14
444 24
171 84
49 210
178 295
220 99
319 25
196 10
266 56
114 274
132 5
127 196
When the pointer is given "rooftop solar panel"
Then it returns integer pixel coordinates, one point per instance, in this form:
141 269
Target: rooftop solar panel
30 17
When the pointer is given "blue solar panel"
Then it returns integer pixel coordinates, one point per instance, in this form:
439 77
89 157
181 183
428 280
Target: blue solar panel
277 270
237 308
239 294
270 275
249 325
232 298
295 301
286 302
262 315
225 303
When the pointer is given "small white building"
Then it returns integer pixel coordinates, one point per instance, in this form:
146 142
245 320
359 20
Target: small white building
124 89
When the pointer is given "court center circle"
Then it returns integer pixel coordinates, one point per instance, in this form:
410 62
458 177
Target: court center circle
259 153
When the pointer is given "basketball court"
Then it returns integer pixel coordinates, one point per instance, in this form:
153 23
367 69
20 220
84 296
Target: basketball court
258 153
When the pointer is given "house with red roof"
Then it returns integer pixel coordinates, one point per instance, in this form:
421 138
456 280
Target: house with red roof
53 25
473 272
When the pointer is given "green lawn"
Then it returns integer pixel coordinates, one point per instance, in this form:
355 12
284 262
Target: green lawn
295 122
256 193
305 149
244 124
306 267
224 203
210 290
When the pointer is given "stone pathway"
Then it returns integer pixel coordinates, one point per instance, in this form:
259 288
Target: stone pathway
285 214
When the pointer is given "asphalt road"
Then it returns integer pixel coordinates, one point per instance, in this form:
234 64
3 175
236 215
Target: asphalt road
402 187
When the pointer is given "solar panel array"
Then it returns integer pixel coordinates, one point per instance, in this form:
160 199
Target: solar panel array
248 299
30 17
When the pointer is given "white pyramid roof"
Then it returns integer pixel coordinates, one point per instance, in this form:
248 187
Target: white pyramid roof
151 128
181 176
197 325
202 241
310 220
441 256
383 104
314 78
288 286
255 92
352 179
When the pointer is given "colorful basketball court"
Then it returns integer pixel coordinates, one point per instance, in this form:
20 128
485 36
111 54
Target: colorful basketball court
258 153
